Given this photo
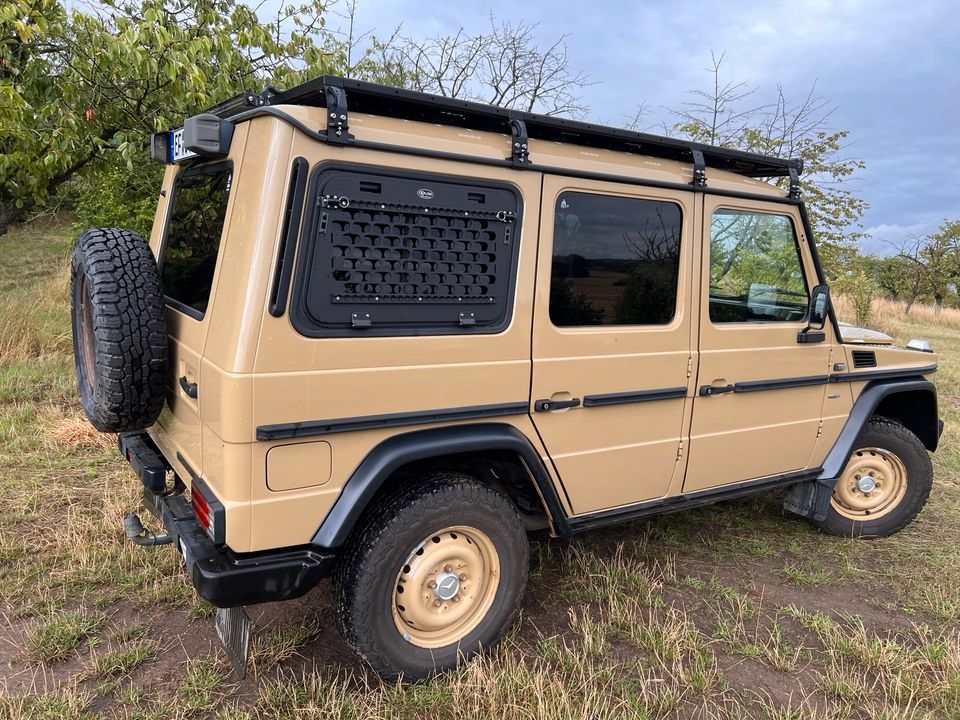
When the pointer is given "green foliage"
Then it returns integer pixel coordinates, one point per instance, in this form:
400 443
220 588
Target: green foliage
109 194
92 83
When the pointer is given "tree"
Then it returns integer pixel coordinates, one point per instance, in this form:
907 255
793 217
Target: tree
724 115
80 85
504 66
924 267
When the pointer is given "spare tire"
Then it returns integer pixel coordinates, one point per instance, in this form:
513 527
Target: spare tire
119 329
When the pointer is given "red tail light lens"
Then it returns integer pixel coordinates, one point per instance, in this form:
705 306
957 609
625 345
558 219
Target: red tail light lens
201 508
210 512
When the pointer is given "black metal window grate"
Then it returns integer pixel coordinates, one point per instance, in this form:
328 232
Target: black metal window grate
413 257
394 252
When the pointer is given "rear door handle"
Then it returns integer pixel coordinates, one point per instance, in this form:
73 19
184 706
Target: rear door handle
188 387
716 389
548 405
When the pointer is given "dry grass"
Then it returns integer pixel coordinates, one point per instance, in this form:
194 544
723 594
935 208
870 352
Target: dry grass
888 315
75 431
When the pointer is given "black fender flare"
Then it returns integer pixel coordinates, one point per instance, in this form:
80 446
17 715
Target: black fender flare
812 499
864 408
405 448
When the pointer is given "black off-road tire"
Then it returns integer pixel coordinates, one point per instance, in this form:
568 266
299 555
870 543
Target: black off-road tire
119 329
366 574
893 437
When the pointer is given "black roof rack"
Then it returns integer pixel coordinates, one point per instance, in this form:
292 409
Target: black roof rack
366 97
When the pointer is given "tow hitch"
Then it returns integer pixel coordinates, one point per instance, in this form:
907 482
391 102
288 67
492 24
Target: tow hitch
140 535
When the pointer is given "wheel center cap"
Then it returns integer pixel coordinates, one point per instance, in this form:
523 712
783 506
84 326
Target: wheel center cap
448 585
867 484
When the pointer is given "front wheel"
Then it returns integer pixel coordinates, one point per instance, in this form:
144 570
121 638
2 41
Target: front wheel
884 485
435 574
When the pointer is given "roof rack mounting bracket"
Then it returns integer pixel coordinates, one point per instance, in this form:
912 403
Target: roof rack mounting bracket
699 169
338 120
519 143
794 183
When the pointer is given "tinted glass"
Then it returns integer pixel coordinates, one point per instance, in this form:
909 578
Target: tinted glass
616 261
193 235
755 270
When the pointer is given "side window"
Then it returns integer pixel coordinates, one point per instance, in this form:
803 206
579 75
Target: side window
192 242
407 254
616 261
755 269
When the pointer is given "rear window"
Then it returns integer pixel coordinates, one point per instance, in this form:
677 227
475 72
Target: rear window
200 197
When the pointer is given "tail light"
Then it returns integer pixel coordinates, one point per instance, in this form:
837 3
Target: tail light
209 510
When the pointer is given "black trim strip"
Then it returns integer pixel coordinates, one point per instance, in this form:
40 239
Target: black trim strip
283 431
495 162
688 500
758 385
288 237
621 398
883 374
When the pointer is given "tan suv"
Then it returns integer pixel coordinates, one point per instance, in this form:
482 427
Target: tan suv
382 336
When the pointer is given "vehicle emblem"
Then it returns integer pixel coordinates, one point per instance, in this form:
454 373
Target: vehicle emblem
425 194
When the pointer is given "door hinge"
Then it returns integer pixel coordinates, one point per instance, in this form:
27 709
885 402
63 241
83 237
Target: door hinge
820 430
680 451
689 366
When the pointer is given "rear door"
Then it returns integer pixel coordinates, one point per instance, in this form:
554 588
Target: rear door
188 259
611 338
760 393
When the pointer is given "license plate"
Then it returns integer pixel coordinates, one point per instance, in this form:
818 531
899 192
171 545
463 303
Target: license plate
177 151
233 629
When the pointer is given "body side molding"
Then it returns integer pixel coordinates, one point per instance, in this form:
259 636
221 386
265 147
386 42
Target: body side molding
399 450
620 398
307 428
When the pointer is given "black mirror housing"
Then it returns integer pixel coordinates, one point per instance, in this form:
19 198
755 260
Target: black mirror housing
817 312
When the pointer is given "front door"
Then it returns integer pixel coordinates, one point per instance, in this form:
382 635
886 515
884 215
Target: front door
611 338
759 392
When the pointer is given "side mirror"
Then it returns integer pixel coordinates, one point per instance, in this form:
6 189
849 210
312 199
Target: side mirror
817 312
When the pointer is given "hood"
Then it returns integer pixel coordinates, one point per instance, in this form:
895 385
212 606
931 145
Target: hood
852 334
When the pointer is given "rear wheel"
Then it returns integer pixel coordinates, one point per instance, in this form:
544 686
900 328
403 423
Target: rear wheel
435 574
885 483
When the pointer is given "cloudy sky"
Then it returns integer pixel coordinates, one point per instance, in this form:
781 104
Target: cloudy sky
891 68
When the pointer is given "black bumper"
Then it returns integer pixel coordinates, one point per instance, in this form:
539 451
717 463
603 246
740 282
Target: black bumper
221 576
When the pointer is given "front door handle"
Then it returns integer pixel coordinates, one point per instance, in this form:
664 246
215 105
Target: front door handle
549 405
190 388
716 389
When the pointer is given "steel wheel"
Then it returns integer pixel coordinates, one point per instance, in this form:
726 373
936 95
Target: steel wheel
872 485
446 587
85 336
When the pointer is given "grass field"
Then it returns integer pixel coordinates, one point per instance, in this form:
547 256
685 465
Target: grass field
731 611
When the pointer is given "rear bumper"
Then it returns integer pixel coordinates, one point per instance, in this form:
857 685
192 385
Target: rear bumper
221 576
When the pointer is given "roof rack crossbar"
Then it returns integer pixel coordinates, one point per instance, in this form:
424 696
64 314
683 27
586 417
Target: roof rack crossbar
331 92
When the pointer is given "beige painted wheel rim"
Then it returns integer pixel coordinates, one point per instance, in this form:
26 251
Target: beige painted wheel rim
432 615
853 496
